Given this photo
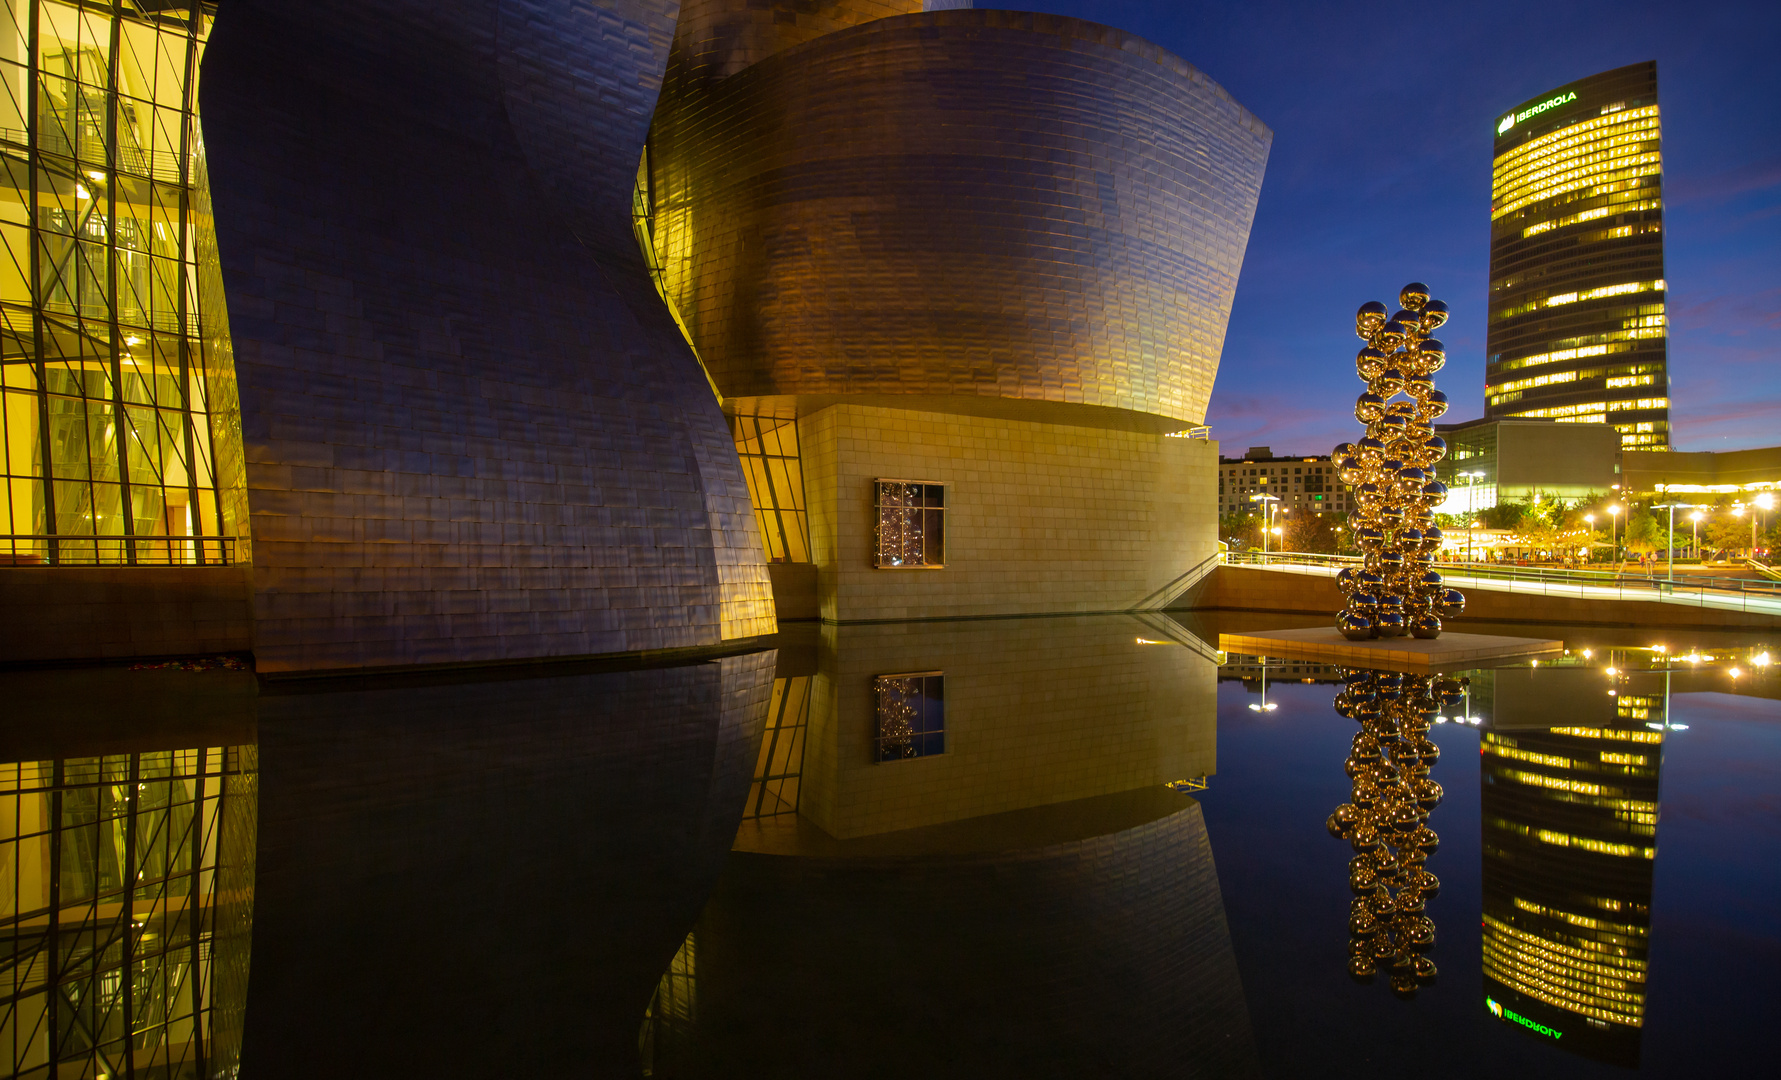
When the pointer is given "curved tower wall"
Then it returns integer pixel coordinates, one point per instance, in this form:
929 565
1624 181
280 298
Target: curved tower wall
471 432
976 203
993 252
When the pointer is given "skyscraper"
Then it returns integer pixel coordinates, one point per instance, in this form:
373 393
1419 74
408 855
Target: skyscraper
1577 324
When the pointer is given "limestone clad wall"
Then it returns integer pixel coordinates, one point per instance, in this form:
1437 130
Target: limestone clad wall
471 431
1041 517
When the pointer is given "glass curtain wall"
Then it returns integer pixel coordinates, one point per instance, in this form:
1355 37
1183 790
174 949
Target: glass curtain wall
120 877
107 420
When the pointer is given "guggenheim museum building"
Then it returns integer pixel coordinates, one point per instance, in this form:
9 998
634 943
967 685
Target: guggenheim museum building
386 333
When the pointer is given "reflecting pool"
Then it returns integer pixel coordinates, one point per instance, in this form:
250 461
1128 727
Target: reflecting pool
1058 847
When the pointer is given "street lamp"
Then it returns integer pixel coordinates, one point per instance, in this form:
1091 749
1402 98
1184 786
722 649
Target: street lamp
1764 502
1670 538
1471 528
1696 518
1471 499
1267 502
1613 536
1589 552
1265 706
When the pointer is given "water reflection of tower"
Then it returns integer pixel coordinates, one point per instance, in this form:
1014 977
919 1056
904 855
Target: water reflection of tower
1570 826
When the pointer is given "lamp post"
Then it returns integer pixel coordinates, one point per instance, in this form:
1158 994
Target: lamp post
1472 479
1670 538
1696 518
1589 552
1613 535
1764 502
1267 502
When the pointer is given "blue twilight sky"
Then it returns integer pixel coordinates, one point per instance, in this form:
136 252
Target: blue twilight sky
1380 174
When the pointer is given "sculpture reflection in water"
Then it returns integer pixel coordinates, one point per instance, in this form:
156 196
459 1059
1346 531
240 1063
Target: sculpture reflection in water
1395 590
1386 820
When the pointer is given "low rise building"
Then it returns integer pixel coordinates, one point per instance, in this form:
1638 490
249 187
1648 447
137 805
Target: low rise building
1300 483
1491 461
1707 472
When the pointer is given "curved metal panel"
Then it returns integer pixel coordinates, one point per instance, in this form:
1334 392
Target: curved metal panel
979 203
467 438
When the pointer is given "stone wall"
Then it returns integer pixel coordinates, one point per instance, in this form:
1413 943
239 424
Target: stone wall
1041 517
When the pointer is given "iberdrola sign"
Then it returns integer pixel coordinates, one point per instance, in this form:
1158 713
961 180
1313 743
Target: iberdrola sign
1497 1010
1534 110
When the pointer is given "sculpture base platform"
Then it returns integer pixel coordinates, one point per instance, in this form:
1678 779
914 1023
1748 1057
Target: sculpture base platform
1449 652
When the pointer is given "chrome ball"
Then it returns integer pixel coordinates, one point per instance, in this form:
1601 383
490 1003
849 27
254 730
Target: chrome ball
1434 316
1369 318
1414 295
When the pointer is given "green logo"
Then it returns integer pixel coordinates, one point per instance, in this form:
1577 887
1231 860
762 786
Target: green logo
1508 122
1549 103
1497 1010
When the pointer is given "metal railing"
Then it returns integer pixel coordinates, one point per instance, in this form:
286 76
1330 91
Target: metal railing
1739 594
27 549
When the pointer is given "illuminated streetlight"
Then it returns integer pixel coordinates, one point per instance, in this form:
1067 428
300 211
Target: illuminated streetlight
1267 502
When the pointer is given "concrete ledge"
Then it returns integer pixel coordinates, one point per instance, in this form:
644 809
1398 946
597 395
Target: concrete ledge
1448 652
59 613
1247 588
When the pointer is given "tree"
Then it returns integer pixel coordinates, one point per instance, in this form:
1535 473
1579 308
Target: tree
1502 515
1242 532
1643 535
1727 533
1310 532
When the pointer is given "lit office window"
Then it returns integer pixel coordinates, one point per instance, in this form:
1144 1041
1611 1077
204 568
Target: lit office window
911 524
911 711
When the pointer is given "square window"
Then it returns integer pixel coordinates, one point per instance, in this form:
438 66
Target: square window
911 524
911 711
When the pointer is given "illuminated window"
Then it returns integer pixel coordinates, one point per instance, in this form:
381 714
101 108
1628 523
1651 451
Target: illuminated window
911 524
911 712
768 448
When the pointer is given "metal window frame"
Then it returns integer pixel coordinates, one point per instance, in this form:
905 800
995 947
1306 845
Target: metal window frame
878 682
878 508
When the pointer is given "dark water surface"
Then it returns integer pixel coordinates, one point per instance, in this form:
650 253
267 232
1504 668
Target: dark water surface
909 850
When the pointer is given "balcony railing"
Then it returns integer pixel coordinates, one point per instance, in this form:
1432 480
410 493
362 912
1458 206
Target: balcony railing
1737 594
25 549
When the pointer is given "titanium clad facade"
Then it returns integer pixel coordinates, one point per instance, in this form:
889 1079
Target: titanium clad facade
963 203
1577 326
472 433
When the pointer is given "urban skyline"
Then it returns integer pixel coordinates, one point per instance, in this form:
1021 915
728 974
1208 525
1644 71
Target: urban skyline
1341 218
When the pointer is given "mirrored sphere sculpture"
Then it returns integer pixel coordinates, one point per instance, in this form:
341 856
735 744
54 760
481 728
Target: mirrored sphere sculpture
1396 590
1386 821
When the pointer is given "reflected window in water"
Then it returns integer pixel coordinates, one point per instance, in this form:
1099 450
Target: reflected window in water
911 715
116 886
781 765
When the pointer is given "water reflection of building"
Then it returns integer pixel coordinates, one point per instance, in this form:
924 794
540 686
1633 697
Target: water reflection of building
1569 842
126 876
484 876
1031 901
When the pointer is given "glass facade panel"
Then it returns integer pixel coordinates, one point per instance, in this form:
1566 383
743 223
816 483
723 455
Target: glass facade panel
106 432
1577 327
780 768
768 446
114 875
